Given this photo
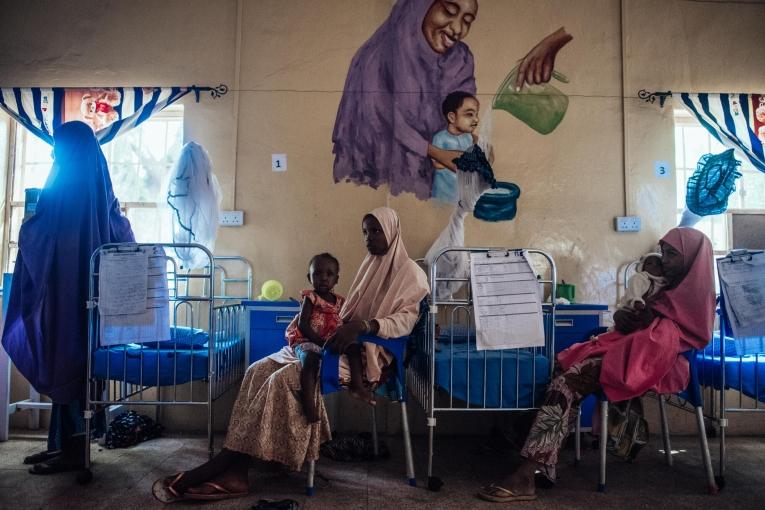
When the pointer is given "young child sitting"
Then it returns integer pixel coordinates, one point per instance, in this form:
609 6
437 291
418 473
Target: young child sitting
316 323
461 112
646 282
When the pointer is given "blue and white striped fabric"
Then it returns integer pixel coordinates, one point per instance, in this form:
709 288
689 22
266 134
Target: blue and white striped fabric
41 110
736 120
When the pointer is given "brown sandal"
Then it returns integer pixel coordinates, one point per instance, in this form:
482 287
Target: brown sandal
166 492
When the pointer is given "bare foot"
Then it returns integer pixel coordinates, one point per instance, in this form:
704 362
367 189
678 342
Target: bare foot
520 483
362 394
231 483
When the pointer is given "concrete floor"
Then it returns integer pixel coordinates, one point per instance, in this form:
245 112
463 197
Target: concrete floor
122 479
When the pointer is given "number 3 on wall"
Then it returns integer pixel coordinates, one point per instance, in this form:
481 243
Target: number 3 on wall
662 169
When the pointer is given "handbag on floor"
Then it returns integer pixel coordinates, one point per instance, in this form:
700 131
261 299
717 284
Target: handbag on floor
627 429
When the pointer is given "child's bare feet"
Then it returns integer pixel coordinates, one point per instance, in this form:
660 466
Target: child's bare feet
363 394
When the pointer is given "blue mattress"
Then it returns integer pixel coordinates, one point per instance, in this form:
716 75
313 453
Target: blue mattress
162 363
745 373
452 375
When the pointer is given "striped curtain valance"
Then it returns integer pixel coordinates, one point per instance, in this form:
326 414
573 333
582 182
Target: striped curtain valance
110 111
736 120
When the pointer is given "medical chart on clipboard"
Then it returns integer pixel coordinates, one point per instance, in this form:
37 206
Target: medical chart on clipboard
507 301
742 281
133 300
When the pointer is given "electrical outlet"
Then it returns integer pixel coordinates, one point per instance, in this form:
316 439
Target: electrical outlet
627 223
231 218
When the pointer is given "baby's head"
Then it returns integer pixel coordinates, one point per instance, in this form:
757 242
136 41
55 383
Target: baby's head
461 111
323 272
651 264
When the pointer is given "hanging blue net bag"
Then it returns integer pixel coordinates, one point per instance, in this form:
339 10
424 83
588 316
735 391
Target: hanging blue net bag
712 183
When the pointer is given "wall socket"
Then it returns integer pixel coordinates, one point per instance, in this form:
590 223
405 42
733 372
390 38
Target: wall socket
231 218
627 223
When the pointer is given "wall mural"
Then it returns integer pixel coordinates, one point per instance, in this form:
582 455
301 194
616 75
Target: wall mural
409 106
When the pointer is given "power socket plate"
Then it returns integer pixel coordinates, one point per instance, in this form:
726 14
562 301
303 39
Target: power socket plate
231 218
627 223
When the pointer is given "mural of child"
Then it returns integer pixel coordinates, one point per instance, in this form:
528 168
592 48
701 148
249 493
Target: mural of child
396 83
461 112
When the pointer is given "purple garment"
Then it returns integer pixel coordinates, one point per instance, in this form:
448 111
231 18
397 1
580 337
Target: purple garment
46 327
391 104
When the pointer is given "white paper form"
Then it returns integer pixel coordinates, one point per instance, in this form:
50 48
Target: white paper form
743 282
507 301
152 323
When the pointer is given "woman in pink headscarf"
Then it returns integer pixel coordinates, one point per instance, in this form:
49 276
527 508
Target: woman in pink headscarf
643 353
268 421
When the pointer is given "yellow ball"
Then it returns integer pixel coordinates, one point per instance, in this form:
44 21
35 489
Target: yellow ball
271 290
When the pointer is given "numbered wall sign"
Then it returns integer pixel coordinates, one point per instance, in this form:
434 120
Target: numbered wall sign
279 162
662 169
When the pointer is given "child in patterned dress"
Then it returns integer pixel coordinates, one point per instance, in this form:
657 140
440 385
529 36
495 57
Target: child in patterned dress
316 323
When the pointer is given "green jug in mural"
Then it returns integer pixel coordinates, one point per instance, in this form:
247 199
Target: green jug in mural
541 107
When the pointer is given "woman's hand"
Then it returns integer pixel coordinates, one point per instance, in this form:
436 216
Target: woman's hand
538 64
444 156
626 321
346 335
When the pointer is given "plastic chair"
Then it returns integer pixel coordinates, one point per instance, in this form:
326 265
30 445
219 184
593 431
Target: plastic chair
396 386
692 394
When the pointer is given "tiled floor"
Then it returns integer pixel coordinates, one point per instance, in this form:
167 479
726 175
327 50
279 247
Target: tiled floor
122 479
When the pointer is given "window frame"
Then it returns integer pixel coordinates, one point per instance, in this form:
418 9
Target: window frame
175 111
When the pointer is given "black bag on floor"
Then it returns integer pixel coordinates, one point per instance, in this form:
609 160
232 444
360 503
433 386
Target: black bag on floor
130 428
627 429
354 448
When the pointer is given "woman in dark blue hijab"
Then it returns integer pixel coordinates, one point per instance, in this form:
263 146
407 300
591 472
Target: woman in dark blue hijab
46 327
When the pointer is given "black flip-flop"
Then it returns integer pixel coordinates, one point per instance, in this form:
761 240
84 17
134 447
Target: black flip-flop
284 504
41 456
55 465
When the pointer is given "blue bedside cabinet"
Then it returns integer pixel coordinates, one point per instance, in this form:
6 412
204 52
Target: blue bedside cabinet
267 322
576 323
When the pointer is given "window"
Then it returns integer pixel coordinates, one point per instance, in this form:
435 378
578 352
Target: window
693 141
139 163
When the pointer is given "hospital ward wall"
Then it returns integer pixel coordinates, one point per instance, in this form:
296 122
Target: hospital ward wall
287 79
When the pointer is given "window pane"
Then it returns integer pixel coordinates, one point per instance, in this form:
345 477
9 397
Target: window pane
696 145
679 155
33 175
150 225
752 185
37 151
17 215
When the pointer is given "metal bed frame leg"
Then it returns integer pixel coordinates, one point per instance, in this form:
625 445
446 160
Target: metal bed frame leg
407 446
578 437
309 489
602 444
711 483
665 430
375 442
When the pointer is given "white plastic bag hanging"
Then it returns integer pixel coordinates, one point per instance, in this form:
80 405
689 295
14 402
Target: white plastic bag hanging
194 196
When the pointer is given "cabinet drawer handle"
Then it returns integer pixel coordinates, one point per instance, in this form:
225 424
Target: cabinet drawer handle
564 323
284 319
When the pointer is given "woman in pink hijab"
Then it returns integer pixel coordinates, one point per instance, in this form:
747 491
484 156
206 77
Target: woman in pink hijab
643 353
268 421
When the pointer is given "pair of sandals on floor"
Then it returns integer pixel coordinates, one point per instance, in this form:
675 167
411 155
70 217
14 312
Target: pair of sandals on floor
51 462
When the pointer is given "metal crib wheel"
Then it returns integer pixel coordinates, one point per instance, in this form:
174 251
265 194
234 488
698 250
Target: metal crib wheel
84 476
435 483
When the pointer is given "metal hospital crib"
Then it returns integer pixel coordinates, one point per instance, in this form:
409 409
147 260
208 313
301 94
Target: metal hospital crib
447 374
735 383
205 356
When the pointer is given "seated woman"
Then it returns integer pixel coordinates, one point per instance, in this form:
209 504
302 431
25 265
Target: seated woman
267 421
642 354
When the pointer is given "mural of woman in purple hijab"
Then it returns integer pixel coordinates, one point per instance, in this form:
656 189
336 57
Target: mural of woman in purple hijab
397 81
